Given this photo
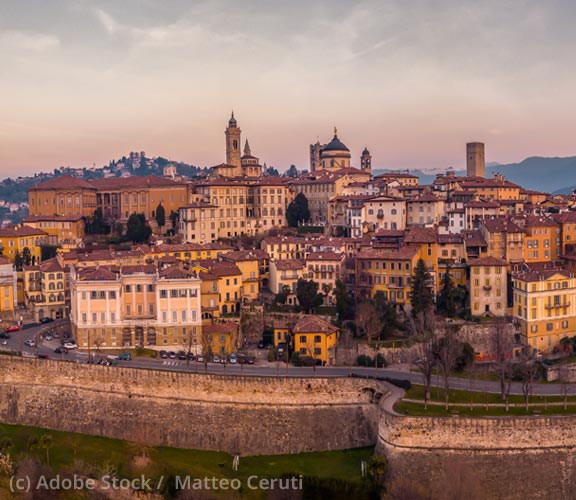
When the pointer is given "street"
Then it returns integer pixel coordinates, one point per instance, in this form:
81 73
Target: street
261 369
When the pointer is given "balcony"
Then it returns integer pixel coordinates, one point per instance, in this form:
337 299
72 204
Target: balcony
556 306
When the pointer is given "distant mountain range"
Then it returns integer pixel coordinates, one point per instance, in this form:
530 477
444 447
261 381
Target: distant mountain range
552 175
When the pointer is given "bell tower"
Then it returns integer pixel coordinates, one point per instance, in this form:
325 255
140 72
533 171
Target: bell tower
233 142
366 161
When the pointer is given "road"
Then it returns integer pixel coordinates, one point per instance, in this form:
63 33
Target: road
263 368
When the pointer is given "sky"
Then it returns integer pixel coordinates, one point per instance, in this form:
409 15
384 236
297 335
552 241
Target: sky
86 81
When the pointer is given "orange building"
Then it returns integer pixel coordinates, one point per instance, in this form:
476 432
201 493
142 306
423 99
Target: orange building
118 198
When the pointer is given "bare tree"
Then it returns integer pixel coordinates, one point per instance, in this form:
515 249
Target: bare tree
447 350
369 320
501 344
421 328
564 378
527 371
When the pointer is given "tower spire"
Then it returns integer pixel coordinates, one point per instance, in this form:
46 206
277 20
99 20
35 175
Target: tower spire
247 151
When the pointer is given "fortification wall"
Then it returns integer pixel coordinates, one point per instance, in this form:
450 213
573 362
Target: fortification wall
246 415
501 458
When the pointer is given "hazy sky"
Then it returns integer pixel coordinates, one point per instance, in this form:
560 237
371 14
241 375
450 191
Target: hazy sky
83 81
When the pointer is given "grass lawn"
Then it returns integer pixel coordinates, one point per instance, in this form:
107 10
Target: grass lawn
417 410
71 450
466 397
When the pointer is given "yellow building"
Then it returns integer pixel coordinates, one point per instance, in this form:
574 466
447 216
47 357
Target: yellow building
135 306
544 307
248 261
45 290
497 188
118 198
221 339
63 195
542 241
229 283
488 286
281 336
8 287
210 296
316 338
65 229
15 239
387 271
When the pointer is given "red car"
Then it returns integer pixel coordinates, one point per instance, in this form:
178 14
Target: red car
13 328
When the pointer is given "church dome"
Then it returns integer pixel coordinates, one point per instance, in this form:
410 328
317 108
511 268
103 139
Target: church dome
335 145
232 121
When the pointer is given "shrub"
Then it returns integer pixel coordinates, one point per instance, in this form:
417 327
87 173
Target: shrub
379 361
271 355
364 360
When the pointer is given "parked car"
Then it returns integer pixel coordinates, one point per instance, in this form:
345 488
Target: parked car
200 358
124 356
215 359
46 319
13 328
56 335
70 345
172 355
30 343
4 335
261 345
191 356
61 350
48 337
43 356
182 355
250 360
233 359
163 354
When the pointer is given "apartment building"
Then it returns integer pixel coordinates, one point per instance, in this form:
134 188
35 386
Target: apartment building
136 306
544 307
488 286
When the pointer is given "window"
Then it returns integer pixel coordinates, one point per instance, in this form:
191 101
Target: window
549 326
317 338
150 288
303 339
84 319
112 295
128 289
317 351
163 294
102 295
173 294
138 288
93 295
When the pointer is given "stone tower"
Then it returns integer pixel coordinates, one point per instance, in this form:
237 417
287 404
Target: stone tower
475 162
315 150
366 161
233 142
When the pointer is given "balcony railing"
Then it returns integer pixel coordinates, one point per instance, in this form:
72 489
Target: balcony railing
557 306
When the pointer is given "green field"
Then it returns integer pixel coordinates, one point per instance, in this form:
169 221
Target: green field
460 401
77 453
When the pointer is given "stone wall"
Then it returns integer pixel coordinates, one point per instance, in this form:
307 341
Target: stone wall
507 458
478 335
245 415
